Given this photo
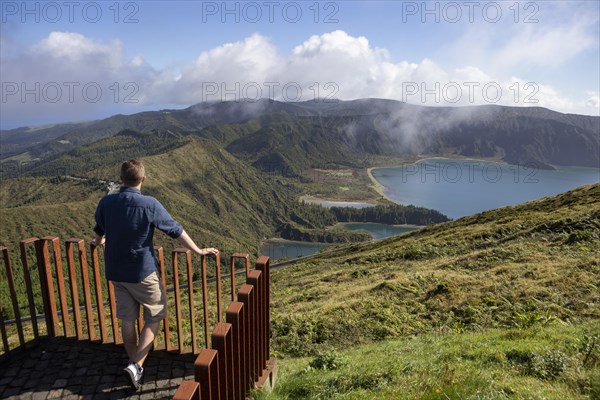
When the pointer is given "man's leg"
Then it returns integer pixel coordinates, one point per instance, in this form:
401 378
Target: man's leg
154 302
130 340
133 371
128 309
146 340
138 352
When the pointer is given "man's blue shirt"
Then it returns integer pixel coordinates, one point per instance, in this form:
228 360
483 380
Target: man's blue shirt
128 219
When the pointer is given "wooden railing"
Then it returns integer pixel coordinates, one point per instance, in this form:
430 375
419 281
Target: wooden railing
234 356
239 357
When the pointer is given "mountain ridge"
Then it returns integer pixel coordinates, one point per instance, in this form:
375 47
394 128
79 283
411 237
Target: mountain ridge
535 135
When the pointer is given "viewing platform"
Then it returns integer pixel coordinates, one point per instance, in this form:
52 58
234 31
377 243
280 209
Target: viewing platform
62 338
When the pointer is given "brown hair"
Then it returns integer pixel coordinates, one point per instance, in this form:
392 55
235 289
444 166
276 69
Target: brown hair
132 172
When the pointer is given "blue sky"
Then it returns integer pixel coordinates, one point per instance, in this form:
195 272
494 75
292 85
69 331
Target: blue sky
149 55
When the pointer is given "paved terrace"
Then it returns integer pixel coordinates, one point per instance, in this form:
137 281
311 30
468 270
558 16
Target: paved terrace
62 368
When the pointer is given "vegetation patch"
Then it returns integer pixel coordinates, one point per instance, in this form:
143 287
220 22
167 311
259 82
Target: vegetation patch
539 363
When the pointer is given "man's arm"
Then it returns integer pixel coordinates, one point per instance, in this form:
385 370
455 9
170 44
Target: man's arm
163 221
99 227
187 242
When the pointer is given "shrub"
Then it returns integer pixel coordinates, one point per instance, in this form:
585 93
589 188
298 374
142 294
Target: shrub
329 361
548 364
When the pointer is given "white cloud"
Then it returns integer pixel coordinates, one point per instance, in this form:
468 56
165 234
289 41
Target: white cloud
74 47
254 59
337 42
334 64
557 32
594 101
546 47
68 76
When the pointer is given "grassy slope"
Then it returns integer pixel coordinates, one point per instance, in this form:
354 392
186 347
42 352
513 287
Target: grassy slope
541 362
42 206
216 197
513 269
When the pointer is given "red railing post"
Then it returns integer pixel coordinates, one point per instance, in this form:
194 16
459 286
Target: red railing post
46 280
23 244
140 321
113 313
161 262
2 326
242 256
188 390
218 278
60 280
13 295
255 279
74 288
190 276
205 299
223 342
177 300
206 371
263 265
98 290
190 284
246 296
85 282
235 317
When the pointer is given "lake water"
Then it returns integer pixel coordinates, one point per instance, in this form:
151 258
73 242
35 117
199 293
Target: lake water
277 249
464 187
379 231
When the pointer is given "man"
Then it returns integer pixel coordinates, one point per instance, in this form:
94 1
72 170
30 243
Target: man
125 224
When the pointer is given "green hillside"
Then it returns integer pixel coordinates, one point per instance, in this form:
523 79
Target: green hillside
216 197
503 304
126 144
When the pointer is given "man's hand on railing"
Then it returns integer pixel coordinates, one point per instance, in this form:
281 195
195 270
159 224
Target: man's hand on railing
98 241
209 251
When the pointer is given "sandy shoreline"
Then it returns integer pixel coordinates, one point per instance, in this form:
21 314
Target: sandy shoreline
449 158
378 186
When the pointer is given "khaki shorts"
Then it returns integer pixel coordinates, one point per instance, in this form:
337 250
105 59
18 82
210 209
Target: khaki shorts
148 293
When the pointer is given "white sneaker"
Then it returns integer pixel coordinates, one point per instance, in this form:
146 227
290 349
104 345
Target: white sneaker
134 375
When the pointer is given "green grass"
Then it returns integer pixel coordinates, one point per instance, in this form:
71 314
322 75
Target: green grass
541 362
